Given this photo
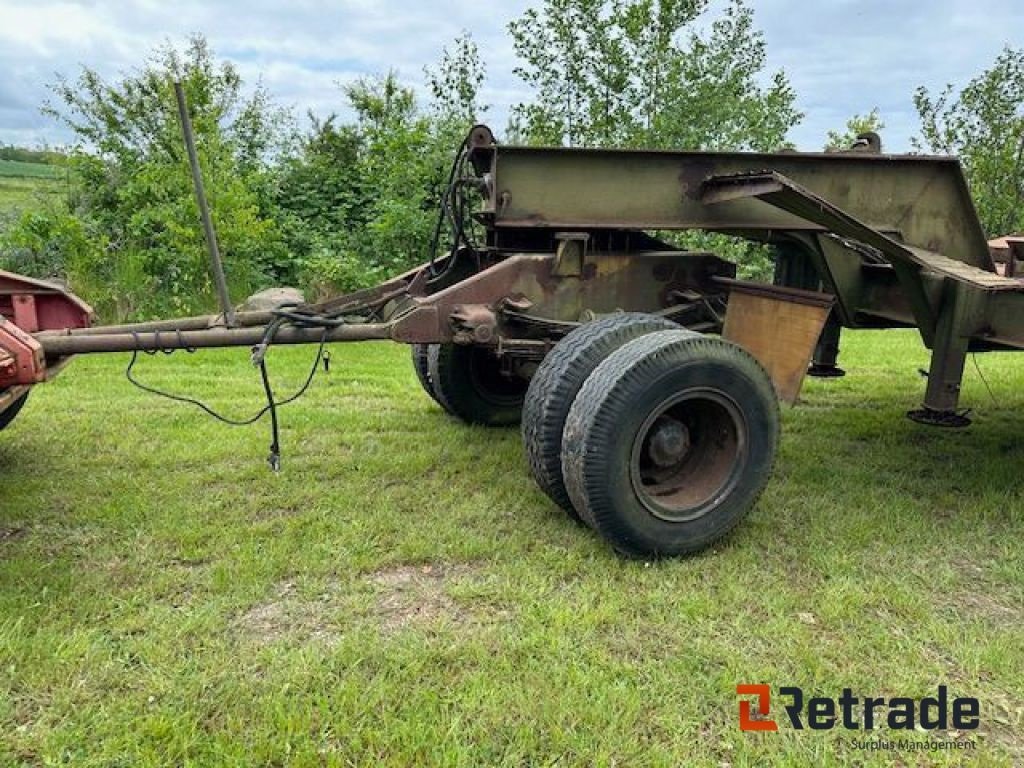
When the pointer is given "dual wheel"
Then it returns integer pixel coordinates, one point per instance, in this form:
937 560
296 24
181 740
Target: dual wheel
469 383
659 438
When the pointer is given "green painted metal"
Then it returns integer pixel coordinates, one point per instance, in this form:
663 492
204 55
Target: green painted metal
924 201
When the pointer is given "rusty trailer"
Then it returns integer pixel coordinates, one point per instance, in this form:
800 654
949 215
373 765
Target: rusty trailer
645 377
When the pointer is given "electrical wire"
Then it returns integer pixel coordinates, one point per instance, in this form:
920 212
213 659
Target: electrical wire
271 407
453 210
974 359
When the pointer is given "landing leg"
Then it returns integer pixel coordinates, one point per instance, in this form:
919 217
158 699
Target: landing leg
949 354
823 366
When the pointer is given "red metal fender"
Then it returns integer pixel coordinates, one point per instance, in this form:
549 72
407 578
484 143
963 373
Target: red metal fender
26 307
34 305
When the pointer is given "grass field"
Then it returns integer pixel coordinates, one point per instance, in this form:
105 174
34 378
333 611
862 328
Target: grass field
29 170
401 594
25 184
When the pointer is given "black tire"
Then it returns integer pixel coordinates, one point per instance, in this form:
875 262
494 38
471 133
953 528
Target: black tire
470 385
557 382
670 442
421 364
12 411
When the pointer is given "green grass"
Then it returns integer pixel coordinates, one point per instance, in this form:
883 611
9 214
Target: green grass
29 170
401 593
23 185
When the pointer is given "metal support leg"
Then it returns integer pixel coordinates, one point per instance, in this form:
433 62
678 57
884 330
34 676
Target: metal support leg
949 354
794 268
826 353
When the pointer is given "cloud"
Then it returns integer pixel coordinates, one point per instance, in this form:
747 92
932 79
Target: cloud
847 57
842 57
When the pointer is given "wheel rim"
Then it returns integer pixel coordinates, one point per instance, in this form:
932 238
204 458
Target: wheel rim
688 454
490 384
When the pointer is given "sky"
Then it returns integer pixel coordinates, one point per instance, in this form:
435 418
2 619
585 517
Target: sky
842 57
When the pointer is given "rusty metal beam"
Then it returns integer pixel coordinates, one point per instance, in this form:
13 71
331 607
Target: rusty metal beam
62 346
195 323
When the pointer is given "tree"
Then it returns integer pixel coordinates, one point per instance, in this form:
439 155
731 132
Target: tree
984 125
360 201
634 73
134 192
403 162
320 193
455 84
855 126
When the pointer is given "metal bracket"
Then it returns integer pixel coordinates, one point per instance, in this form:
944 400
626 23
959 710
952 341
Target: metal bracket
22 361
572 248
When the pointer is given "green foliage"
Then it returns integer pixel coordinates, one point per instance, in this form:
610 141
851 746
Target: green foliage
855 126
984 125
633 73
45 241
360 202
133 192
455 83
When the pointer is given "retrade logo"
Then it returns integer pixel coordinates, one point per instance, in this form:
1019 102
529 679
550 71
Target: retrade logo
823 713
756 719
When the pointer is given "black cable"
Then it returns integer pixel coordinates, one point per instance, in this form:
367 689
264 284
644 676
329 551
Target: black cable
272 405
274 459
306 320
974 359
456 219
435 240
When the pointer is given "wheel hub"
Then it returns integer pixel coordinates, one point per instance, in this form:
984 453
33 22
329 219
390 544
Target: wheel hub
687 454
669 442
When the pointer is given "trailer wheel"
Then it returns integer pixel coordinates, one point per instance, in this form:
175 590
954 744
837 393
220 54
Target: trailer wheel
557 382
470 385
12 411
421 364
670 442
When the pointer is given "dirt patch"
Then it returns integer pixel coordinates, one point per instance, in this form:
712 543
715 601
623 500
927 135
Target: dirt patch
1003 723
10 534
417 596
400 597
269 514
984 605
289 616
983 597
